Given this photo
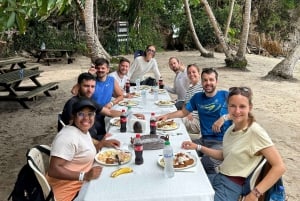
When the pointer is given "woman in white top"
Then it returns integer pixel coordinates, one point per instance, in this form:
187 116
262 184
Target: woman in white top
142 65
245 143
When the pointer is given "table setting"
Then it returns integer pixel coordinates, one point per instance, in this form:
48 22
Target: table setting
127 181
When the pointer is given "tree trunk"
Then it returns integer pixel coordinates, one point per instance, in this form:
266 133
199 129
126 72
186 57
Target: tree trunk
240 61
286 67
229 19
202 50
92 41
227 50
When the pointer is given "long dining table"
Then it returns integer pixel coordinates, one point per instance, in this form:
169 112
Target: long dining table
147 181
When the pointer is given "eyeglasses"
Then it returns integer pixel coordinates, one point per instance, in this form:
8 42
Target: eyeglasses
85 114
150 50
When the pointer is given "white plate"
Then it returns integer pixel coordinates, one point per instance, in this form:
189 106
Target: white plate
124 155
160 91
167 127
160 161
128 103
144 87
165 102
114 121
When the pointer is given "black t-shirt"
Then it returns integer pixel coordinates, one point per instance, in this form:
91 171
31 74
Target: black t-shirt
98 130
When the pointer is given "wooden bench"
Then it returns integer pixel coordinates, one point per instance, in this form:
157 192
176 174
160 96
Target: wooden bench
70 60
50 59
45 88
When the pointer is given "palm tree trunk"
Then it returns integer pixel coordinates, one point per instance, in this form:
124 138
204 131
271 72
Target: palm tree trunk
202 50
229 19
286 67
227 50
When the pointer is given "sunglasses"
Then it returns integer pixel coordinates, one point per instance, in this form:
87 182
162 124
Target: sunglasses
245 91
83 114
150 50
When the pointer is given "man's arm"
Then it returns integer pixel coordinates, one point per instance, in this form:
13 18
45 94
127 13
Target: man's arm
118 93
177 114
111 113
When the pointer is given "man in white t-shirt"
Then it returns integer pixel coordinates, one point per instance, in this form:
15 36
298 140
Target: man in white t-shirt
121 73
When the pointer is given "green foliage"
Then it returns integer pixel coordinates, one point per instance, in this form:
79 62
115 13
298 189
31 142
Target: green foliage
38 33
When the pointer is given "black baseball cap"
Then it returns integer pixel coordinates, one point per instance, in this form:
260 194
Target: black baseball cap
82 103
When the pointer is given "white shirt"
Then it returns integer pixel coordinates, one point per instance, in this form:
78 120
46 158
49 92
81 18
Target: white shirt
121 81
140 67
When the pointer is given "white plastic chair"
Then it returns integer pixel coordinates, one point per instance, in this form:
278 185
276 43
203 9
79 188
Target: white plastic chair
37 163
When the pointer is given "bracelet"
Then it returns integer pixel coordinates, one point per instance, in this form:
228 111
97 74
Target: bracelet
81 176
256 192
225 117
198 147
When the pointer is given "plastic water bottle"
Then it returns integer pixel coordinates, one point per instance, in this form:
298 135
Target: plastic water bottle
129 116
144 97
21 73
168 160
278 195
43 46
138 83
155 93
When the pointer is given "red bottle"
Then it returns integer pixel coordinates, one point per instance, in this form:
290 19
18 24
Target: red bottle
153 124
138 149
127 87
161 83
123 122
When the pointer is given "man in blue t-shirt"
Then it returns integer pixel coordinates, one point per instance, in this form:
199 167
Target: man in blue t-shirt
213 115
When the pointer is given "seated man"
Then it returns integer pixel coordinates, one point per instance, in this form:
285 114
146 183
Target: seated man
181 81
86 83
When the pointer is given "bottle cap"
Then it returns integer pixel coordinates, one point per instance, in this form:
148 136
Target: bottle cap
123 110
138 135
152 113
167 142
128 107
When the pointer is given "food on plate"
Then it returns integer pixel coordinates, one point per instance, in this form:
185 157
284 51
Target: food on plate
115 122
109 156
120 171
135 94
166 124
181 160
165 102
128 103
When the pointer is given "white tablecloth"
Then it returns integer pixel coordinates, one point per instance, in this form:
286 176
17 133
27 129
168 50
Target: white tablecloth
147 182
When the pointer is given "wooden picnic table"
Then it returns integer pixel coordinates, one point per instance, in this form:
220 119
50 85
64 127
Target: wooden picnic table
13 62
49 55
10 82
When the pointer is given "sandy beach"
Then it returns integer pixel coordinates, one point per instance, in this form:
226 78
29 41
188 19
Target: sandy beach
276 108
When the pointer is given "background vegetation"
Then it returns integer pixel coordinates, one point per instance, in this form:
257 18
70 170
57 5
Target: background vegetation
151 23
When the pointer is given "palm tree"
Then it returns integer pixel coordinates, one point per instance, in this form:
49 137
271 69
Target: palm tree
202 50
229 18
286 67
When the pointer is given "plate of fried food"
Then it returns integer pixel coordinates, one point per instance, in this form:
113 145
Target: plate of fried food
165 102
128 103
110 157
144 87
167 125
181 161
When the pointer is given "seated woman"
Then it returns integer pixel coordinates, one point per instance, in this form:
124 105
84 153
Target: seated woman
191 121
142 65
245 143
72 154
